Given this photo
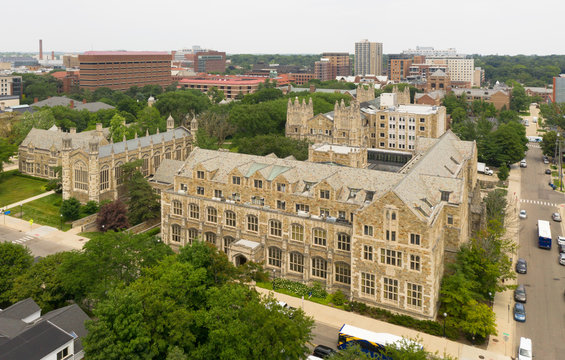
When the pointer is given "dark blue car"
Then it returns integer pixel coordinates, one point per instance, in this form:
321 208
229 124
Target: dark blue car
519 312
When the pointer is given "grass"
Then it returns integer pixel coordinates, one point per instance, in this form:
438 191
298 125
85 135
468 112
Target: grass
14 187
44 211
323 301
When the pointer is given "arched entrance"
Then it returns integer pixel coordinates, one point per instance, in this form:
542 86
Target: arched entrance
240 260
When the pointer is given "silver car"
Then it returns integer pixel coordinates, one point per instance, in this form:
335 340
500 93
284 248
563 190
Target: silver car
562 259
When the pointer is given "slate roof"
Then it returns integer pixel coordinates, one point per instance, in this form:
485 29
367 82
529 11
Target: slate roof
20 310
45 139
478 92
34 343
71 319
167 170
142 142
428 172
78 105
352 92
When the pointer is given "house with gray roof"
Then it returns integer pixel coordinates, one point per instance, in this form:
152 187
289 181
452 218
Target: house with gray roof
381 237
73 104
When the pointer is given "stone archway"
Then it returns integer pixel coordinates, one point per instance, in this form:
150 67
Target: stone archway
240 260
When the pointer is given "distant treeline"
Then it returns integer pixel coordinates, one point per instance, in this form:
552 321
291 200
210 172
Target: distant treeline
530 70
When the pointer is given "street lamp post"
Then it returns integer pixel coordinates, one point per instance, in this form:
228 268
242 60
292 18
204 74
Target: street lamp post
61 227
103 228
444 317
274 273
490 298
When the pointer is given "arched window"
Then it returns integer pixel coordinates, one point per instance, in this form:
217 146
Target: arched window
252 223
296 232
81 176
145 165
275 256
193 211
156 160
210 237
118 173
228 240
177 207
176 233
319 267
343 242
342 273
167 153
230 219
275 228
319 236
296 262
104 178
178 153
212 215
192 235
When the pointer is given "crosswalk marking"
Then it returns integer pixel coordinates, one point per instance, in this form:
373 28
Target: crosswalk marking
538 202
533 145
23 239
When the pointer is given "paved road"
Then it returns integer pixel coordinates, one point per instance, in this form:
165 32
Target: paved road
323 334
545 280
33 239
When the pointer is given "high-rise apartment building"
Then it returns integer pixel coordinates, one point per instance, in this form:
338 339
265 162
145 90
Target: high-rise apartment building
322 70
120 70
399 67
340 63
559 89
368 58
460 69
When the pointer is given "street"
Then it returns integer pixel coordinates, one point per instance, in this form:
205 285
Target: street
545 280
34 240
323 334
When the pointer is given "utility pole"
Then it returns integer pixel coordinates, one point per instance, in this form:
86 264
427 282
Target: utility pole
560 167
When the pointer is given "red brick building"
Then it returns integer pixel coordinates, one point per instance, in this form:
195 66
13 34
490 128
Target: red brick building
120 70
209 61
231 86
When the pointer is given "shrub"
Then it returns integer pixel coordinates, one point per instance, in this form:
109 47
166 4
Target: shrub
91 207
112 216
70 209
338 298
503 172
301 289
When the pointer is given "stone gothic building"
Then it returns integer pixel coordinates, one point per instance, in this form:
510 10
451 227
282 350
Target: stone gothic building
380 237
94 173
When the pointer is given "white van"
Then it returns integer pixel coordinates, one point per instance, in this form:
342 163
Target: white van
525 349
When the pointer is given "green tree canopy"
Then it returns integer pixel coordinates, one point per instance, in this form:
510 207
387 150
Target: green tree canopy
548 143
15 260
277 144
180 103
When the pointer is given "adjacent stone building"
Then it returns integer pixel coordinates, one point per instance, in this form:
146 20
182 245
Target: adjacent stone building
381 237
40 152
390 122
94 173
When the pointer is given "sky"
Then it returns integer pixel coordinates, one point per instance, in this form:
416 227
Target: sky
503 27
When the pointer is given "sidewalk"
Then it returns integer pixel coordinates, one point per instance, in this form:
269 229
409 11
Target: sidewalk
336 318
29 199
505 341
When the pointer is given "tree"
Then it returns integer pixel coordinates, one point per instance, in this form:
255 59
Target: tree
90 207
496 205
202 255
553 114
519 100
215 95
216 125
7 150
479 321
180 103
150 120
56 184
143 203
411 349
548 143
112 216
14 261
352 352
70 209
277 144
118 128
43 283
505 145
503 172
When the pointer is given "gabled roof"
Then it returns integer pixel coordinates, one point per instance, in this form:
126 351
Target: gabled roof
45 139
78 105
20 310
71 319
142 142
167 170
35 343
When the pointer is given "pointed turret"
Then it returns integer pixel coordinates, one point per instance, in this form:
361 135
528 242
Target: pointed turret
170 123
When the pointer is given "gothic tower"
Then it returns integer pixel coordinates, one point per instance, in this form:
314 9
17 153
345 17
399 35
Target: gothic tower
66 166
365 92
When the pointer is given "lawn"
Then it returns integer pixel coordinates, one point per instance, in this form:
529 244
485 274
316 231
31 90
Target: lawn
14 187
44 211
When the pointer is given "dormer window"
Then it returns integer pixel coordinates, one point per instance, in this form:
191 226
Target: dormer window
445 195
369 196
324 194
258 184
200 174
352 193
307 186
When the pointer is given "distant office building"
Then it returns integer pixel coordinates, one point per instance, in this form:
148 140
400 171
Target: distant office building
499 97
17 61
399 66
70 61
542 92
120 70
231 86
322 70
340 64
559 89
460 69
368 58
430 51
301 78
10 85
209 61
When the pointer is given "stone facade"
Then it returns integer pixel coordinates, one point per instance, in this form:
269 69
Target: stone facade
94 174
40 152
390 123
381 237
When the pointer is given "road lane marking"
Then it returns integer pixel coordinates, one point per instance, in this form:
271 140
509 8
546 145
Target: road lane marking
538 202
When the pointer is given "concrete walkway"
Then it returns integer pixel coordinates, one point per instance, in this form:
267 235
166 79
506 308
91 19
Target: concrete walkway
505 340
336 318
29 199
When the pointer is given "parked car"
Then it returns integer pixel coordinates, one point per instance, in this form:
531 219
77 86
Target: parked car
548 171
561 248
556 217
523 163
562 259
546 161
323 351
523 214
525 349
519 312
521 266
520 294
561 240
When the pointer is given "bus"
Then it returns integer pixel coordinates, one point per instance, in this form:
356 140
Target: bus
544 234
370 342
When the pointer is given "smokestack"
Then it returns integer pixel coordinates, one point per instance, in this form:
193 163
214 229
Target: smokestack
52 55
40 49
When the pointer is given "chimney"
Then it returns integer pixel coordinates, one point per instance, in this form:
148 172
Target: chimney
52 55
84 101
73 130
40 49
312 88
35 100
72 104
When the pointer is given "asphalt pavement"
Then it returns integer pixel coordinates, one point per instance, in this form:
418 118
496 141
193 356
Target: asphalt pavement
545 280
